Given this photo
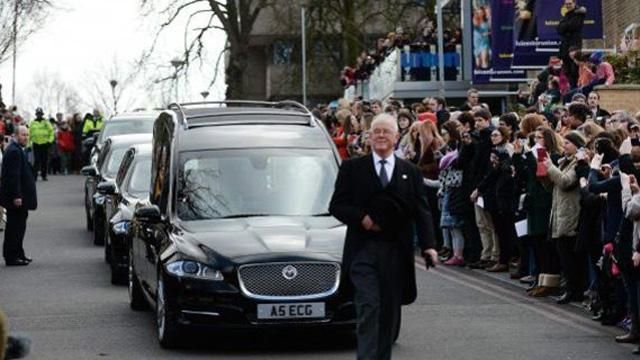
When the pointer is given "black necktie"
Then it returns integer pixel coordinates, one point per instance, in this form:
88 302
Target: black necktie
384 178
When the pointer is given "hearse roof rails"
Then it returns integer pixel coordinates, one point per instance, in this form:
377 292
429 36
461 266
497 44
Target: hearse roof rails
284 104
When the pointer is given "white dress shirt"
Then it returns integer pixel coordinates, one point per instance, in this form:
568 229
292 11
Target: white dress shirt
391 162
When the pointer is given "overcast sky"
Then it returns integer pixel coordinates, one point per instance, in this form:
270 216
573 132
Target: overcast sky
83 40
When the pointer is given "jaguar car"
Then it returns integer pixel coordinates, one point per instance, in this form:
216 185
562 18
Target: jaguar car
121 124
236 232
105 169
121 197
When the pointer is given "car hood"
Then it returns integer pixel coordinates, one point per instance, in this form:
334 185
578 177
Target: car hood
245 239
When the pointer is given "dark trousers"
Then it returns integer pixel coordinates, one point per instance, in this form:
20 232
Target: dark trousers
504 225
41 155
14 234
377 298
573 263
546 255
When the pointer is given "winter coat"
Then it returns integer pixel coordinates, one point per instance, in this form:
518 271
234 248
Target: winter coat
613 188
498 190
65 141
590 224
570 30
538 198
481 157
565 206
464 163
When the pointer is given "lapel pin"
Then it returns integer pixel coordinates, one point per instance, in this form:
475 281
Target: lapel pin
404 176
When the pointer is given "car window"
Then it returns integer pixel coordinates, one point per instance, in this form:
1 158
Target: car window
227 183
113 162
122 127
140 179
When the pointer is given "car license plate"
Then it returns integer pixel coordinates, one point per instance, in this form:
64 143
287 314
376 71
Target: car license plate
291 311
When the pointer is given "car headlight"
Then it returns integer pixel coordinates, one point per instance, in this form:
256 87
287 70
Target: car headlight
121 228
193 269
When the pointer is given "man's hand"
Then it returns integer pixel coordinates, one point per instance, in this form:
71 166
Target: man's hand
474 196
636 259
17 202
369 225
430 254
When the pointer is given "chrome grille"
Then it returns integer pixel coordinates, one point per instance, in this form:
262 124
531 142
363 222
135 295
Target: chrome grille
267 281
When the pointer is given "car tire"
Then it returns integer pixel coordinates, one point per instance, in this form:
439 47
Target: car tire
118 275
98 230
86 210
137 302
167 326
107 246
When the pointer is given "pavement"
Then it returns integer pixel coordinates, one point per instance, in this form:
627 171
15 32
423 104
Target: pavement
64 301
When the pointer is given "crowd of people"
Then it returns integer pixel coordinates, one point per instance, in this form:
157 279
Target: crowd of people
551 196
422 40
55 143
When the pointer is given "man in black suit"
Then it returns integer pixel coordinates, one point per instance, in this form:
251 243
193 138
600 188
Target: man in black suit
379 197
18 196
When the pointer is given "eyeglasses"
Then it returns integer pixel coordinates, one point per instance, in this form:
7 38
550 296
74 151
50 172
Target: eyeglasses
379 131
496 135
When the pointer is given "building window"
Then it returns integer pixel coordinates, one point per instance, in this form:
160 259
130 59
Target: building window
282 52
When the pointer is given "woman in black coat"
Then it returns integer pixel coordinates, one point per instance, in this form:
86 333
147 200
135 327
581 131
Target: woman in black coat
498 189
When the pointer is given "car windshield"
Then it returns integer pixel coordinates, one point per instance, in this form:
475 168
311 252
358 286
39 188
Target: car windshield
140 179
122 127
113 162
255 182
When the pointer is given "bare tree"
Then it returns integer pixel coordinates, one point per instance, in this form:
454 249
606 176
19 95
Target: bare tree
27 15
235 17
111 88
53 94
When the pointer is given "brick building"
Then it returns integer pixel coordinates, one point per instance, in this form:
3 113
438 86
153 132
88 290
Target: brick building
618 14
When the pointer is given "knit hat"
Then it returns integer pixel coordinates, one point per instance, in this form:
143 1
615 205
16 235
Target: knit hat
596 57
576 139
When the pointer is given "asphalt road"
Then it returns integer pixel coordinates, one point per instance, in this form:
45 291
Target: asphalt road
66 304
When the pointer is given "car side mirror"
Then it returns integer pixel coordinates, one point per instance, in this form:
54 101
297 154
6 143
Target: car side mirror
89 170
106 188
149 214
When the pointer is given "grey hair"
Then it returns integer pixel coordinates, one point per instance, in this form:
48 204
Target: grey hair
22 127
387 119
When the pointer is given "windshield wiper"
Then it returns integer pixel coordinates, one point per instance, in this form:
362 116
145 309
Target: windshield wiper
243 215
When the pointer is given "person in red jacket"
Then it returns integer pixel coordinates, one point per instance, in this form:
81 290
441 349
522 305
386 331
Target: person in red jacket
66 146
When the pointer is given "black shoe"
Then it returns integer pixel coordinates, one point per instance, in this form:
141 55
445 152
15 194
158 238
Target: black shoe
27 259
17 262
636 351
45 179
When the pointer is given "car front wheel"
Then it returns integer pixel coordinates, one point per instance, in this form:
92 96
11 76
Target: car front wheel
166 321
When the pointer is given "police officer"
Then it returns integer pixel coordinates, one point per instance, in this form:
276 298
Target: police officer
42 136
92 123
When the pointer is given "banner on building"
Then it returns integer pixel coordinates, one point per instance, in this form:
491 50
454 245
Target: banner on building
510 36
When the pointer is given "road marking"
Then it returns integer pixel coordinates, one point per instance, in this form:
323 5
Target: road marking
548 311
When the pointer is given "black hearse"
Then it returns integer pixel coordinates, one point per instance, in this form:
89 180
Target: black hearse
236 232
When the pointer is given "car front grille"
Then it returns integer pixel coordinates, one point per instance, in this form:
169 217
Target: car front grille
276 281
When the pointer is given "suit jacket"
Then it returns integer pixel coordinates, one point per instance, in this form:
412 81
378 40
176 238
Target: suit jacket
357 183
16 179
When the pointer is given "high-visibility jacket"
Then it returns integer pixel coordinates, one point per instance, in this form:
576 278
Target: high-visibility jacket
92 125
41 132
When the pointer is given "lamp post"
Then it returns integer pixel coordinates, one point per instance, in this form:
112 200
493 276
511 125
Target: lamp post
177 63
204 94
113 84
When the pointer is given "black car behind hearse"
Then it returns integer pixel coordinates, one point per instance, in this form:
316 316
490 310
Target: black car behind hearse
236 232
